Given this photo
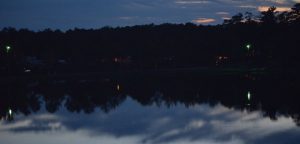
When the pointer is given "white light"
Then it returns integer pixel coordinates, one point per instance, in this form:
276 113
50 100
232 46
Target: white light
10 112
248 46
249 95
7 49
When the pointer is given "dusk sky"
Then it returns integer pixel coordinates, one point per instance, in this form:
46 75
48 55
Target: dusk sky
68 14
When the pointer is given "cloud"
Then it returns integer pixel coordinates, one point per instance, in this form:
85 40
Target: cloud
222 13
192 2
54 14
252 127
217 110
278 1
279 9
138 5
42 122
128 17
204 20
248 6
132 123
226 18
16 125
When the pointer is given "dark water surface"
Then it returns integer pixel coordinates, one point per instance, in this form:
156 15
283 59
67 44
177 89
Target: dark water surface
185 109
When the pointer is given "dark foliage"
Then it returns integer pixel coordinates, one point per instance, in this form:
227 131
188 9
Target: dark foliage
273 37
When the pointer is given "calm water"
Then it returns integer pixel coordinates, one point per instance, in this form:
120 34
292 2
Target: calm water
186 109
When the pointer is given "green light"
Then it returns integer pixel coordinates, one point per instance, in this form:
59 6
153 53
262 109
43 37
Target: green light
249 95
248 46
8 48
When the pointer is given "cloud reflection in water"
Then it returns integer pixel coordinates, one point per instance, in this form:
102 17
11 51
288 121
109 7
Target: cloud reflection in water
131 123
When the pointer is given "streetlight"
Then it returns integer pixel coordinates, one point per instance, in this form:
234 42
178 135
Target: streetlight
248 46
8 48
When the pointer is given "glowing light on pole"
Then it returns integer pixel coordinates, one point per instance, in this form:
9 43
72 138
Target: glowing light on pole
248 46
8 48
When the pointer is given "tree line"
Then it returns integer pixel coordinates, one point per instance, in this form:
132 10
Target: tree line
267 40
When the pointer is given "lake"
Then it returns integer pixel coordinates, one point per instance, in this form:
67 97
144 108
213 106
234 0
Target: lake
134 109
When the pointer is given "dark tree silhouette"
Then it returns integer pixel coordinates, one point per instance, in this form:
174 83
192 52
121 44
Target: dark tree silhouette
269 17
157 47
236 19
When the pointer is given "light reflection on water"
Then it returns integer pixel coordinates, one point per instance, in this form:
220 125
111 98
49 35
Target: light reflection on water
132 123
213 110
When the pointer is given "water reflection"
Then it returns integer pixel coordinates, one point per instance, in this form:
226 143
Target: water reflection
186 109
131 123
118 87
272 96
